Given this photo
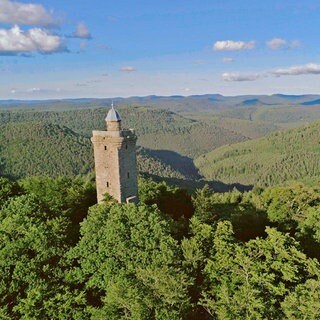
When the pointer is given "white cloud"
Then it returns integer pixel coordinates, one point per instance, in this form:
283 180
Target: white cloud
240 77
15 40
229 45
128 69
40 91
310 68
25 14
33 91
227 60
82 32
278 43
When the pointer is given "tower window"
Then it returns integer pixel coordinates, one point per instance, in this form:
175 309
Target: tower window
128 175
105 147
107 184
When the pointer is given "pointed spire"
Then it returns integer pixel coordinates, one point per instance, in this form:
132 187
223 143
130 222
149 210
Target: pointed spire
113 115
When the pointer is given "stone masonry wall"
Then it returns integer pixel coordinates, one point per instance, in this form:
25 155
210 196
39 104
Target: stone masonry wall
115 164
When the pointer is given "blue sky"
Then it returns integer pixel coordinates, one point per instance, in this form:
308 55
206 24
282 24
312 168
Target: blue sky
70 49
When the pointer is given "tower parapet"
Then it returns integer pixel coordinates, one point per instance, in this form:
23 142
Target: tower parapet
115 160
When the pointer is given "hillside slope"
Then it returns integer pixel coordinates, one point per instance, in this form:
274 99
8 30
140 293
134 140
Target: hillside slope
41 148
156 129
30 148
279 157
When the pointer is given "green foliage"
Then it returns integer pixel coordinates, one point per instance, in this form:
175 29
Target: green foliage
277 158
157 129
232 206
32 142
32 243
126 261
64 196
249 281
173 256
310 226
303 302
171 200
31 149
287 206
148 164
130 261
37 148
8 189
36 229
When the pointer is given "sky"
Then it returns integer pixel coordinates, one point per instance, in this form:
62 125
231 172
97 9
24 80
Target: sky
105 48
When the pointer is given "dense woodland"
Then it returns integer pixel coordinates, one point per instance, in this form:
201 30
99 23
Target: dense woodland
157 129
179 254
174 256
282 156
35 148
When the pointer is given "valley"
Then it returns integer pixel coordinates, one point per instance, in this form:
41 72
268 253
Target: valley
210 139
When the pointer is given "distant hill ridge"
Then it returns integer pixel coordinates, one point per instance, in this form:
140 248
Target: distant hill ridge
174 102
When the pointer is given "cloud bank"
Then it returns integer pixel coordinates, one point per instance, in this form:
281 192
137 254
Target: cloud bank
25 14
306 69
310 68
278 43
15 41
240 77
229 45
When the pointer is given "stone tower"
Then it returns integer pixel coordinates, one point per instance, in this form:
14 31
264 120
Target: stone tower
115 160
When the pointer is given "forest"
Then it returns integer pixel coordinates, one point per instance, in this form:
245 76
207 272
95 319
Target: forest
176 255
195 247
281 156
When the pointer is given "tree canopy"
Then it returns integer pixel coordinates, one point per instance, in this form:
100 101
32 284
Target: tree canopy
234 255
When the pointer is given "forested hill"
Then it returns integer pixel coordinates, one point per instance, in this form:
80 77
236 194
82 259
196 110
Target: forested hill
156 129
31 148
40 148
57 143
288 155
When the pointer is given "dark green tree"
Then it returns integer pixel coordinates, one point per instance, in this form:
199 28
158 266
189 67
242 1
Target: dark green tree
32 245
130 264
251 280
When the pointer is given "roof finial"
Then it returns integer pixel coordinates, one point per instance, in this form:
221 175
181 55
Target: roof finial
113 115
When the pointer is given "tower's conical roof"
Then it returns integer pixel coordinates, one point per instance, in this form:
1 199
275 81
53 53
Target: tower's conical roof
113 115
